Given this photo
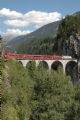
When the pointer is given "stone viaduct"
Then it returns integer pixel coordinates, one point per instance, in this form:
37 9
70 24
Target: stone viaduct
54 64
67 63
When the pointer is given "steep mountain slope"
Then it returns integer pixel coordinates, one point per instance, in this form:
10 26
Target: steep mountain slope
61 38
66 41
47 31
40 46
68 38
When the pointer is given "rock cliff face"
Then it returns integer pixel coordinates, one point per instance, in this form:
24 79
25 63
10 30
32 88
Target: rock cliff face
74 46
68 43
70 47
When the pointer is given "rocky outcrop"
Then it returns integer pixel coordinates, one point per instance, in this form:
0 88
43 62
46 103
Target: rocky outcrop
74 45
70 47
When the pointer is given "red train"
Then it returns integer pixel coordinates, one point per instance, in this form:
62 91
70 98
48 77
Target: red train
25 56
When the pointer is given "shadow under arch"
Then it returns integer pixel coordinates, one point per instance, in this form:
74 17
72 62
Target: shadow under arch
71 69
31 64
20 63
44 64
56 65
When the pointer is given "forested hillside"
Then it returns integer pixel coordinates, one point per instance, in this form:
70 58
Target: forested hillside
31 94
68 38
42 46
47 31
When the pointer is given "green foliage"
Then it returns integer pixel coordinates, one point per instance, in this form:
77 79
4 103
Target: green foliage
74 112
37 94
17 92
69 26
41 46
9 112
53 94
31 67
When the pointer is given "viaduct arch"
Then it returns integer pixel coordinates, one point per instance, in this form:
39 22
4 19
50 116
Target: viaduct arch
44 64
71 69
69 66
54 64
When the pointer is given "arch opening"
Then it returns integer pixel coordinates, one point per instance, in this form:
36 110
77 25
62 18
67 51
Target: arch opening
44 64
20 63
31 65
72 70
56 65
